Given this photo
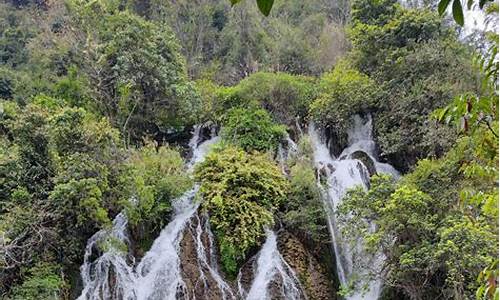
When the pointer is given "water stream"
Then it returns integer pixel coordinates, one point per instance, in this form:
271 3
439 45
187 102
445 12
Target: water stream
270 271
158 276
341 174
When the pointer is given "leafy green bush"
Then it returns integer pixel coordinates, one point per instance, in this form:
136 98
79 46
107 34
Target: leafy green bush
343 93
251 129
304 210
43 281
154 176
85 199
30 129
240 191
285 96
438 226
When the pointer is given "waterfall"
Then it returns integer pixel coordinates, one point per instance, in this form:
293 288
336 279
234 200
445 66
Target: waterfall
159 273
342 174
271 269
111 267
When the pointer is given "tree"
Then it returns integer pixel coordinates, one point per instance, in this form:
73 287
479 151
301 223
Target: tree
138 73
419 65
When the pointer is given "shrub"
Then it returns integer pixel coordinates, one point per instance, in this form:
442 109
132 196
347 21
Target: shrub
240 191
343 93
154 176
285 96
251 129
43 281
304 210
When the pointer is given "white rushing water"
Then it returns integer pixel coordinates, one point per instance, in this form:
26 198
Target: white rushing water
158 276
342 174
110 275
270 268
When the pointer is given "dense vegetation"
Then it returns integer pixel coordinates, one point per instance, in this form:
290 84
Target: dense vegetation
97 99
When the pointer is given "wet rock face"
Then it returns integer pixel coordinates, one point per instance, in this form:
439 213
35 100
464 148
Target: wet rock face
366 160
246 275
198 285
312 275
337 141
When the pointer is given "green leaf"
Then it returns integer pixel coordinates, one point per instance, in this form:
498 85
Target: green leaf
265 6
458 13
443 4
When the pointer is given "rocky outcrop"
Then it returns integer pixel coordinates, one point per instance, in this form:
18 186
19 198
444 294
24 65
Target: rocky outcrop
336 141
366 160
200 284
313 276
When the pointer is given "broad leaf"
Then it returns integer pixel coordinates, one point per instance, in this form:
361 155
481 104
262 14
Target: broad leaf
443 4
458 13
265 6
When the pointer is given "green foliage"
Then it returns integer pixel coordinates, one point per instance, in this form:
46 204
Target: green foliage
73 88
470 111
437 225
154 177
227 44
418 64
343 93
142 83
240 191
285 96
15 33
60 169
304 210
35 165
43 281
251 129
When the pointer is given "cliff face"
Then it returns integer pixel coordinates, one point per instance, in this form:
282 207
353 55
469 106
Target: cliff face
313 276
200 282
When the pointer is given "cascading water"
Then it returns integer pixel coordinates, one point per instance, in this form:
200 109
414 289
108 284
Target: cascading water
270 268
159 274
109 276
342 174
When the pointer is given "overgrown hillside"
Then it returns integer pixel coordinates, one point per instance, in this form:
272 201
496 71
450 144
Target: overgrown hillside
185 149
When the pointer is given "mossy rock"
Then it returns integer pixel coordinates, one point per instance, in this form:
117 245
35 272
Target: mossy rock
366 160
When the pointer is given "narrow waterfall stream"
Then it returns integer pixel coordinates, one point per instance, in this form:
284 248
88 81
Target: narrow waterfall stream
158 276
343 173
271 269
112 267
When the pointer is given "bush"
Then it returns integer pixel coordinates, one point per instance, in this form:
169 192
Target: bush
304 210
343 93
154 176
43 281
286 97
251 129
240 191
